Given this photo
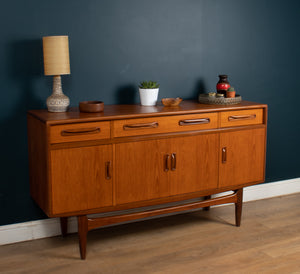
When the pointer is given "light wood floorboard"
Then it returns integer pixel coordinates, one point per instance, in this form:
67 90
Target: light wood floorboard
268 241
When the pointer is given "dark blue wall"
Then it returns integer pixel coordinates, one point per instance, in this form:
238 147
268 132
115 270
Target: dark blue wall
114 44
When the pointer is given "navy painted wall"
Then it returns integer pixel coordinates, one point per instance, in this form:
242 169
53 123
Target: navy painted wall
114 44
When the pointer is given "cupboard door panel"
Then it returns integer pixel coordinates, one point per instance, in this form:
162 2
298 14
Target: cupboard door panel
140 171
80 178
196 163
242 157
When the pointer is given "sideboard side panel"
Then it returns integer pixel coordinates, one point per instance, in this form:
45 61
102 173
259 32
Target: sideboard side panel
37 152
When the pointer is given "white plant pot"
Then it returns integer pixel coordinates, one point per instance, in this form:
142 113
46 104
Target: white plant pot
148 96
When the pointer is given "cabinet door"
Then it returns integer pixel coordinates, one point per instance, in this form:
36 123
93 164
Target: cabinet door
140 173
81 178
194 163
242 157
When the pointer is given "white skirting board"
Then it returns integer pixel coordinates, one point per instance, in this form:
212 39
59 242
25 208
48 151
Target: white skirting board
51 227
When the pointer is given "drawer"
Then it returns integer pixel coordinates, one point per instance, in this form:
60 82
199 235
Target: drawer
166 124
79 132
241 117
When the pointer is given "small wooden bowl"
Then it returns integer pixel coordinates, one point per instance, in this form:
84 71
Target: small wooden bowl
91 106
171 102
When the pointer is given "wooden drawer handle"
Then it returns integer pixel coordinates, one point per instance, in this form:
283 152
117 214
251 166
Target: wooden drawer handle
140 126
82 131
241 117
194 122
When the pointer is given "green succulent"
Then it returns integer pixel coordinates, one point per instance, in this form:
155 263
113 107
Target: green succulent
231 89
148 85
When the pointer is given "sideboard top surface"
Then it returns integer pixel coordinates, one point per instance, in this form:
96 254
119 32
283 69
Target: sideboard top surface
115 112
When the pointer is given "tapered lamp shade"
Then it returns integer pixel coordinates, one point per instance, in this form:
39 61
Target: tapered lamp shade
56 55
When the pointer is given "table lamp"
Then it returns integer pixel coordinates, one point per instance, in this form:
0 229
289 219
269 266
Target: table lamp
56 63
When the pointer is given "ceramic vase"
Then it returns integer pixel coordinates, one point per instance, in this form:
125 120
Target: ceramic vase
223 84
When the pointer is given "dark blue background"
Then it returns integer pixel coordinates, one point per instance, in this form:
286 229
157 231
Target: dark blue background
114 44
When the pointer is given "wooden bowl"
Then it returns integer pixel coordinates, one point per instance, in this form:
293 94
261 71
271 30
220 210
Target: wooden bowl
91 106
171 102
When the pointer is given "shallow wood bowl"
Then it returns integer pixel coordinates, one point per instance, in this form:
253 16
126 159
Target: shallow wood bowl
91 106
171 102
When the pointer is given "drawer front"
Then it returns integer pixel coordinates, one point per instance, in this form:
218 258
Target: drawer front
155 125
79 132
241 117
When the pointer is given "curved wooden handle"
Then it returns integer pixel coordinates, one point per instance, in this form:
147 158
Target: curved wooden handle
80 131
107 170
167 156
241 117
140 126
224 155
194 121
173 161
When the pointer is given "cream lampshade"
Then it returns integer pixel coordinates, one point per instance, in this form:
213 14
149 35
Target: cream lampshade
56 63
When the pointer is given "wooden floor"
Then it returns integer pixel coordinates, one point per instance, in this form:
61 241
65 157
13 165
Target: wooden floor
268 241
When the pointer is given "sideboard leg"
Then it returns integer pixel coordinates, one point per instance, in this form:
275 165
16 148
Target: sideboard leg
207 198
82 233
64 226
238 206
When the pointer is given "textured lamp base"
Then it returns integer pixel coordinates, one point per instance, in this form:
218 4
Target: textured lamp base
57 102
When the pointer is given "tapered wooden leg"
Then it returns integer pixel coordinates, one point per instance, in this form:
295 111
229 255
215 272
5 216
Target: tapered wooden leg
82 233
64 226
238 207
207 198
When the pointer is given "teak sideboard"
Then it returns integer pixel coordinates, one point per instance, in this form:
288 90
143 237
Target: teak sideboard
130 156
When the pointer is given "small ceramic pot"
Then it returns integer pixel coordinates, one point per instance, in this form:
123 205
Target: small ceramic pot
230 94
148 96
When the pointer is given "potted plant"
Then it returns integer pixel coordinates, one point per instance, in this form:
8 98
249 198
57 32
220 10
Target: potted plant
148 93
230 93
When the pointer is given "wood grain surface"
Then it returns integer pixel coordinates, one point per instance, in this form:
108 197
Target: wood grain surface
79 132
164 124
245 157
78 177
267 242
115 112
241 117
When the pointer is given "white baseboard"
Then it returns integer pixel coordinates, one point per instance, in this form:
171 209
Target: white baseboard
51 227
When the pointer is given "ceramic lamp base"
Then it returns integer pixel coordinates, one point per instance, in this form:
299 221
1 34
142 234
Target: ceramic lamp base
57 102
